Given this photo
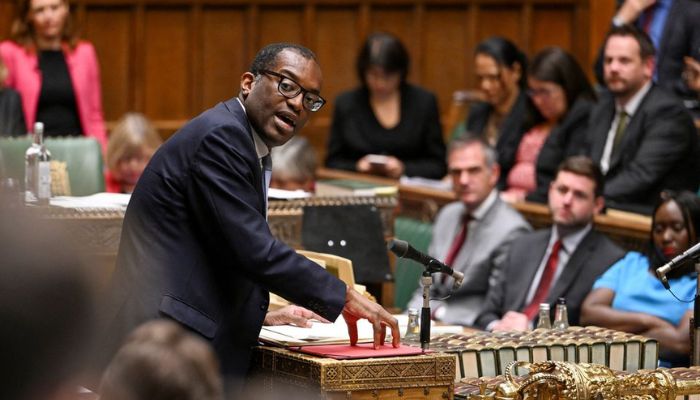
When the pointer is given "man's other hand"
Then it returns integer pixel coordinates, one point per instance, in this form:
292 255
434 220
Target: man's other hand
292 315
357 307
511 321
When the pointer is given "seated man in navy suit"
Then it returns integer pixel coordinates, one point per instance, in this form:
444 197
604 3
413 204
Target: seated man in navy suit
640 135
562 261
196 246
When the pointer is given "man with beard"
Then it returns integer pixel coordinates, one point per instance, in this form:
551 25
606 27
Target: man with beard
642 137
562 261
195 245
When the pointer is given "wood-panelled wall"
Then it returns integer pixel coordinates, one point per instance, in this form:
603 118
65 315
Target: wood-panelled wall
172 59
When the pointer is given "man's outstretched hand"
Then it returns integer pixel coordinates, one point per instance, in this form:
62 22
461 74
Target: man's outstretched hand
292 315
358 307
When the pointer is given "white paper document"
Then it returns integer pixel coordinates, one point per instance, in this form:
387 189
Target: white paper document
116 201
319 333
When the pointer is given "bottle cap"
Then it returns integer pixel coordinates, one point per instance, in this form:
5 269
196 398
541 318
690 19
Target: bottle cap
544 306
38 127
412 311
561 300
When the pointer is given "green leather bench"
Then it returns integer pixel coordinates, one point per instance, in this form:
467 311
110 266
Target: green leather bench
408 272
82 155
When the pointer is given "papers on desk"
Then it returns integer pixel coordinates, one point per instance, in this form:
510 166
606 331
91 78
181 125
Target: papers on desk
417 181
105 201
319 334
280 194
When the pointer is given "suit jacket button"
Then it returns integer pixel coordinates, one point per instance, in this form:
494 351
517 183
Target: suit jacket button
263 307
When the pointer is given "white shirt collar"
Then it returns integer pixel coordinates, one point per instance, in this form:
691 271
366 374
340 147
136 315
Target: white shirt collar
260 147
571 241
633 104
485 205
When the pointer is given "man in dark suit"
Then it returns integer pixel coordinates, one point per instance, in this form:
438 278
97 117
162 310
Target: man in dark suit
472 234
641 136
196 246
674 30
562 261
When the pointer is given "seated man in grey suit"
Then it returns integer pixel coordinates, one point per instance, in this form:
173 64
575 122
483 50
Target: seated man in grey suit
561 261
472 234
641 136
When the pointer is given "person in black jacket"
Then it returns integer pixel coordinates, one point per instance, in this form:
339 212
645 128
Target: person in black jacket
11 114
387 126
567 137
506 112
640 134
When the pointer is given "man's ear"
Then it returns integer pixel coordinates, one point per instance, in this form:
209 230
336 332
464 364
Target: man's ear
495 174
649 64
599 205
247 84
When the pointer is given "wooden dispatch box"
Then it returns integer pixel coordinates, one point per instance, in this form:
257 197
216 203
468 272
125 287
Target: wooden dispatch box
430 376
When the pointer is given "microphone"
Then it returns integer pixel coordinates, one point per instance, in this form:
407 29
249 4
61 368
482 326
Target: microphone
404 250
677 261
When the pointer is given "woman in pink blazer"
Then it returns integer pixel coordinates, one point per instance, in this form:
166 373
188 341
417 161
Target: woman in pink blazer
57 76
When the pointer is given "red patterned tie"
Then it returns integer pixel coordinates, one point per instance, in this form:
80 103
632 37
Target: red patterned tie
458 242
545 282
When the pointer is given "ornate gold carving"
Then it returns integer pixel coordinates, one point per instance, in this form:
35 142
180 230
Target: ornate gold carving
568 381
423 372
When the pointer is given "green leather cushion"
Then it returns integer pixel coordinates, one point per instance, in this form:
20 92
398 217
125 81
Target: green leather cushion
83 157
408 272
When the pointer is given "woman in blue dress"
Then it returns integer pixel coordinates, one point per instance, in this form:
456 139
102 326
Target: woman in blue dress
629 297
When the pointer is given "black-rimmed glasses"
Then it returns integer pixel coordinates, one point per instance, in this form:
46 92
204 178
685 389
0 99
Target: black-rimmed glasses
290 89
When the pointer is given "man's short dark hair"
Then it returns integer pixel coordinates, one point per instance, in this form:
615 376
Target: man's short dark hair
267 56
646 46
584 166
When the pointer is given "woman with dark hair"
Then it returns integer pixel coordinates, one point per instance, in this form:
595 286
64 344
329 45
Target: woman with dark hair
387 126
629 297
505 112
563 98
56 74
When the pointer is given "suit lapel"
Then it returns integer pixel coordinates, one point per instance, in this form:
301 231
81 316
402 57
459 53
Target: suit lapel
522 277
239 114
602 122
633 130
573 268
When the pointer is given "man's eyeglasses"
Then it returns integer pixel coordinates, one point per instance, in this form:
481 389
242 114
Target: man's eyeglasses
290 89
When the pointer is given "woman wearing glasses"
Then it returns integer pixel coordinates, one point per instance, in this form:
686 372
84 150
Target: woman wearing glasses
563 98
387 126
55 73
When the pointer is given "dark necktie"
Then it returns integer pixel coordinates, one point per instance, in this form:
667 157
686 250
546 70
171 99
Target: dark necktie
622 121
266 162
458 242
648 18
545 282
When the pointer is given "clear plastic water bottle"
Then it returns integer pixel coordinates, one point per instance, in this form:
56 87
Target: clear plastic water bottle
544 322
561 319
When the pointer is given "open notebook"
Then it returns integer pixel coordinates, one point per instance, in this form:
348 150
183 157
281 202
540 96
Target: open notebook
319 334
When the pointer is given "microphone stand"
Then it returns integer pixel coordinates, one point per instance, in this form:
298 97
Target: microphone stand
426 281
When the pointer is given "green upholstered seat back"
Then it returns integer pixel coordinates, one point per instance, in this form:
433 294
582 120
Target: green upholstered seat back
408 272
82 155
